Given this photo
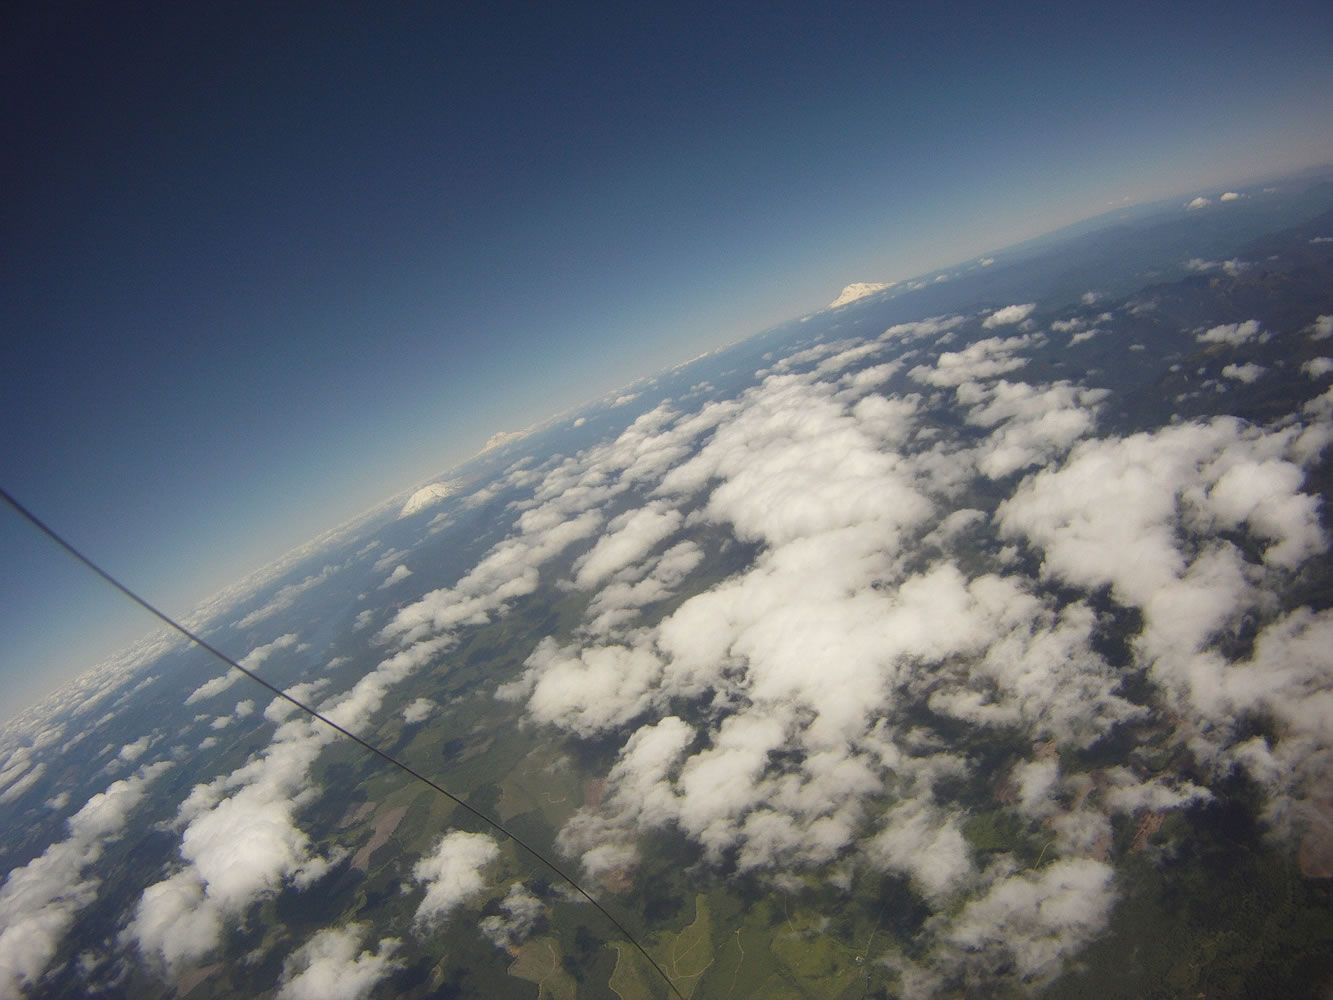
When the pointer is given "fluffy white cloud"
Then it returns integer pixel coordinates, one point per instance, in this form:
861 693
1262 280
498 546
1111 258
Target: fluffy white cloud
39 900
815 482
615 607
586 690
1247 373
1009 315
979 360
1317 367
1234 334
452 875
508 571
400 572
1197 203
520 911
922 328
280 709
1231 196
419 711
238 847
1034 920
629 537
1110 514
1031 426
331 966
214 687
240 841
1140 515
924 842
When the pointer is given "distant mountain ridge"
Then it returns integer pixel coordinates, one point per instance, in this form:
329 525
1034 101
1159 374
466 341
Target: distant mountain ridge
859 290
426 496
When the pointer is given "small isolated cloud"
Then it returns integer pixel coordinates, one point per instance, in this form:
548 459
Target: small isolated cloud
330 966
1234 334
387 558
1009 315
400 572
419 711
1317 367
1231 267
520 911
133 751
213 687
1231 196
244 709
1082 337
452 875
57 802
624 399
1246 373
579 422
986 261
1321 328
1197 203
1090 298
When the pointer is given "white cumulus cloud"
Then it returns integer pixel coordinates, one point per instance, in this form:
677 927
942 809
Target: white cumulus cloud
452 875
332 966
1009 315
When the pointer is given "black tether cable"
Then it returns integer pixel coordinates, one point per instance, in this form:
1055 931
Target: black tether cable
56 537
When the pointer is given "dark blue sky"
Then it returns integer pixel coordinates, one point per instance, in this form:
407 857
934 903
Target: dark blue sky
265 265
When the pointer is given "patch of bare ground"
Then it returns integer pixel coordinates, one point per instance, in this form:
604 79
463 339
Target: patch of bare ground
193 977
355 814
1150 823
1315 854
385 824
592 792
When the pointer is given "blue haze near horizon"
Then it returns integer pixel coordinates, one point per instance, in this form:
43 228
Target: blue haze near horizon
266 267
